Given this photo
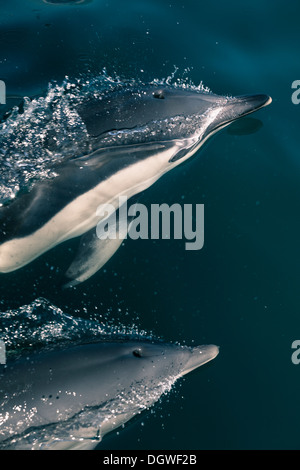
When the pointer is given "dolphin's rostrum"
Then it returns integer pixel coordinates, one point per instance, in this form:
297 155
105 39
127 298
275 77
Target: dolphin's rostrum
136 134
70 398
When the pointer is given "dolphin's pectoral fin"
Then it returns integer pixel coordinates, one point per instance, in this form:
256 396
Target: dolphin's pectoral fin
84 439
96 247
81 444
92 255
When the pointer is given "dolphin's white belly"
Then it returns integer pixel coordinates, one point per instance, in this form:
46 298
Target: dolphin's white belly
79 216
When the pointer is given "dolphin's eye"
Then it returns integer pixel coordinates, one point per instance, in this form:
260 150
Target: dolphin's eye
137 353
159 95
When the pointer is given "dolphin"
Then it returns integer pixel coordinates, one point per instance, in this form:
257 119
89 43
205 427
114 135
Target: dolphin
70 397
136 135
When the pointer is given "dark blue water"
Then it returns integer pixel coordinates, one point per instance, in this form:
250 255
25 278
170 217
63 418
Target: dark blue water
241 291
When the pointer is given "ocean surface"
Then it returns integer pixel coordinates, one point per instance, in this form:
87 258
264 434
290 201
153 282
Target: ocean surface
241 291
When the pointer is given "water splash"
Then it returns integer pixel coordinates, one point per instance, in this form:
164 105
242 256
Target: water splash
183 81
41 132
41 324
